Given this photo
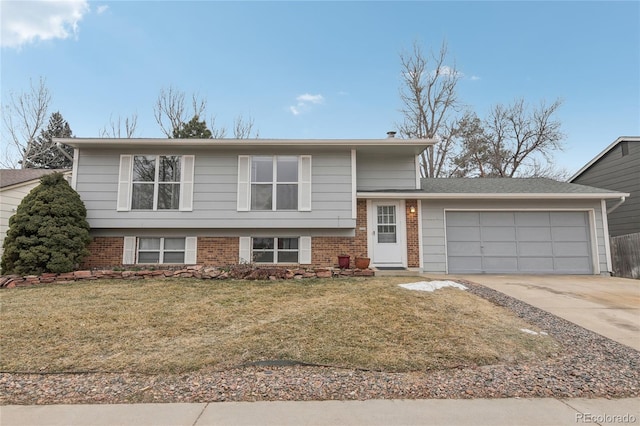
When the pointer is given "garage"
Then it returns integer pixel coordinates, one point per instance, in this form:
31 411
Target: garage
533 242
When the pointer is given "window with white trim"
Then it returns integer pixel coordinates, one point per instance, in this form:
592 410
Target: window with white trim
156 182
274 183
161 250
275 250
152 182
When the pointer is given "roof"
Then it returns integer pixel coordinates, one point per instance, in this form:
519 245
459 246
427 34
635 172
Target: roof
9 177
498 188
603 153
389 144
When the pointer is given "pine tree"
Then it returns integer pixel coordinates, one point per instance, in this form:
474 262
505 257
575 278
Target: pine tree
49 231
194 129
43 152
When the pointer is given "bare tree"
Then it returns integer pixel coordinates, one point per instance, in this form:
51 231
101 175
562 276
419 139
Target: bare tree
217 132
119 128
169 110
522 139
429 97
23 118
243 127
172 115
472 156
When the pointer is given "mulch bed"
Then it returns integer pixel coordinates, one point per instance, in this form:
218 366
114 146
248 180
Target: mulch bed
589 366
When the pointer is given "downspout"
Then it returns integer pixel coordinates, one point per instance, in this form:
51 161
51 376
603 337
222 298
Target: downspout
616 205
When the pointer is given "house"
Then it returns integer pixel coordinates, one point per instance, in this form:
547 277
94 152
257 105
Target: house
617 168
304 202
14 185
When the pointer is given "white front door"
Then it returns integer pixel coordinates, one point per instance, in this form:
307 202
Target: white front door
387 233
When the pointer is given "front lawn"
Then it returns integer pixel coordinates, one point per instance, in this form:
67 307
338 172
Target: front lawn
178 325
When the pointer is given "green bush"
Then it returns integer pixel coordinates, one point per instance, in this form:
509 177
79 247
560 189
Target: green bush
49 231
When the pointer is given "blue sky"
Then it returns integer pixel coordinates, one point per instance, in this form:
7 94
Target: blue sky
326 69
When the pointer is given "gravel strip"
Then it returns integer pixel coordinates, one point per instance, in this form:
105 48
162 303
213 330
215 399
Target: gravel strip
590 366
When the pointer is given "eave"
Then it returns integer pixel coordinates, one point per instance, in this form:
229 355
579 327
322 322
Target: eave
492 196
414 146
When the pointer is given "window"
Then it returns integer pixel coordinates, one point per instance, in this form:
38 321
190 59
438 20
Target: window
156 182
274 183
386 224
161 250
275 250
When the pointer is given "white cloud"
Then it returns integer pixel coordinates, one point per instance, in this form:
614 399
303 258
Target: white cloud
101 9
27 21
314 99
475 78
304 103
448 72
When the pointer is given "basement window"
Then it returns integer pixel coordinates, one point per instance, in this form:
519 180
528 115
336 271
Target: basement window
161 250
275 250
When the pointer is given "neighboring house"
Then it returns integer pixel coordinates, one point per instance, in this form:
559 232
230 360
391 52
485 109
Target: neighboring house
617 168
304 202
14 185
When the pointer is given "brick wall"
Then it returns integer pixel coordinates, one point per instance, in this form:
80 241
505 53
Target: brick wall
105 252
413 240
218 251
325 250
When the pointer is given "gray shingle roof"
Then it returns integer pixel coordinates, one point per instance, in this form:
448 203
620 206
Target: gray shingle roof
506 186
10 177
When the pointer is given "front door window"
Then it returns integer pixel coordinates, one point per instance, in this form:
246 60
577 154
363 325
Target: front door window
387 224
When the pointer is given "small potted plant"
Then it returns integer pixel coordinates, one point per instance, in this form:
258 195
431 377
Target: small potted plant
362 261
343 261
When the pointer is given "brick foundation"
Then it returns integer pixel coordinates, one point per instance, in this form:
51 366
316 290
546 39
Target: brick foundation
221 251
325 250
218 251
105 252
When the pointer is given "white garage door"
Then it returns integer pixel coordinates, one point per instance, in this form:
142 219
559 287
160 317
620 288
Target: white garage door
518 242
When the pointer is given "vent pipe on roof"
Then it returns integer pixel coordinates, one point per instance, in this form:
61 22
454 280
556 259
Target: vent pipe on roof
391 135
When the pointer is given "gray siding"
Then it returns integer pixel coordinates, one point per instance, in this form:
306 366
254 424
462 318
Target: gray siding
433 224
621 173
375 172
215 194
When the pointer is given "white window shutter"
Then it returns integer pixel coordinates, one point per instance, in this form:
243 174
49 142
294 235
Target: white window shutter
191 250
129 252
245 250
304 257
244 183
304 183
186 190
124 183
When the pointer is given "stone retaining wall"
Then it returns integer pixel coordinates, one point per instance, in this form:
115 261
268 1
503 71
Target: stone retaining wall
245 272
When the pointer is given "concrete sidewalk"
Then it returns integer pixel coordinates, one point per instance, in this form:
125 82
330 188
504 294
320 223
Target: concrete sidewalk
371 412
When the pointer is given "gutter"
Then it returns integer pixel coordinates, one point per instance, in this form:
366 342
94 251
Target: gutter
616 205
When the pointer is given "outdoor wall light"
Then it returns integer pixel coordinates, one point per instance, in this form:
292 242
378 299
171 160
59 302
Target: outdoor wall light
412 209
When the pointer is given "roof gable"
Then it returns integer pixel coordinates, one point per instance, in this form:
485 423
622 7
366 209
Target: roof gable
603 153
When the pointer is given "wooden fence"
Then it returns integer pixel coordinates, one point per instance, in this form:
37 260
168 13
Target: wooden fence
625 255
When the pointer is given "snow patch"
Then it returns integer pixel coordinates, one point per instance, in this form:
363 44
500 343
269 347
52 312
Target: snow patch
535 333
432 285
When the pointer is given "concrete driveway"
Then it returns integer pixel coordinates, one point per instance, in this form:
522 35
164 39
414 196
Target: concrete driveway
607 305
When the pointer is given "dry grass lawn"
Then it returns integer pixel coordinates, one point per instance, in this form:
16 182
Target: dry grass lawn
155 326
